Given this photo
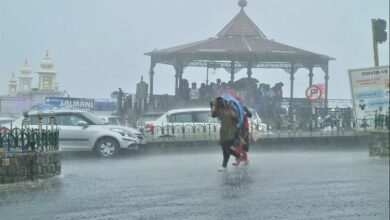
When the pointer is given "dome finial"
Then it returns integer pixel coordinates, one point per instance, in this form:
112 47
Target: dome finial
47 63
242 4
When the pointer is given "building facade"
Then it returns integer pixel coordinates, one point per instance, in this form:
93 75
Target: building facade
23 94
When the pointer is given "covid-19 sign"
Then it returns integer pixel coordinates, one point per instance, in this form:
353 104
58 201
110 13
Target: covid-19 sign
370 91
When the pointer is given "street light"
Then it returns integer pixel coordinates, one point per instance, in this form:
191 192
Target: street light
25 119
294 118
337 119
379 35
40 117
312 116
52 120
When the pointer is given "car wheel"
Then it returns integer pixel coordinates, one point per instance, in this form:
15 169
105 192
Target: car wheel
106 147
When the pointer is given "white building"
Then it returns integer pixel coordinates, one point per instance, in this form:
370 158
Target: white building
22 95
47 76
25 79
13 85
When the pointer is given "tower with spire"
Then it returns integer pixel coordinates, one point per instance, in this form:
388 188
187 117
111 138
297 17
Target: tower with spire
22 92
47 76
12 85
25 78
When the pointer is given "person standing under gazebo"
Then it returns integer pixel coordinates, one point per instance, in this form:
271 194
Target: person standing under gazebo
194 94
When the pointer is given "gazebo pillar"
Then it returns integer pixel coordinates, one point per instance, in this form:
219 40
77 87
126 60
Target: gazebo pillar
310 102
181 77
151 78
249 71
232 69
176 83
311 75
326 70
290 109
178 77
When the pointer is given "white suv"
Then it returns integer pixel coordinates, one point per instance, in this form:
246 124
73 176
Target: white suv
80 131
192 121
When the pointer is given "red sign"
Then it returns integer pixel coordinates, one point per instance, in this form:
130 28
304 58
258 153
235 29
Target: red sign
313 93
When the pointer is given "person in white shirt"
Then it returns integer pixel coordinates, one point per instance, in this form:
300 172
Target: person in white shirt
194 93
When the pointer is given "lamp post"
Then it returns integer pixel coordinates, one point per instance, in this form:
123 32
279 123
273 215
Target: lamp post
294 118
25 119
40 117
365 124
330 119
52 120
312 116
337 119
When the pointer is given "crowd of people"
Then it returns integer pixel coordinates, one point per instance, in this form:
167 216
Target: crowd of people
382 121
254 93
266 100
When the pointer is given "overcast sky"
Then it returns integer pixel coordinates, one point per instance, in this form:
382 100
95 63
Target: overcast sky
98 45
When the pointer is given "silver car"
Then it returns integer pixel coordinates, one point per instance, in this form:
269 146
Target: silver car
6 120
83 131
111 120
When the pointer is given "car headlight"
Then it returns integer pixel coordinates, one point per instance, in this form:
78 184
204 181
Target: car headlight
123 132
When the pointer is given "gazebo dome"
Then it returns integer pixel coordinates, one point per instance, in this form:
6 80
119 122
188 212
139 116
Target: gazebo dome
47 63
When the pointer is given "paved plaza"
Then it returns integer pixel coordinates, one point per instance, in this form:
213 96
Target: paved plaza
275 185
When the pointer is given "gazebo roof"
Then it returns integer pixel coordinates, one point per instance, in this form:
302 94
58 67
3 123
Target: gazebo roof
242 41
241 25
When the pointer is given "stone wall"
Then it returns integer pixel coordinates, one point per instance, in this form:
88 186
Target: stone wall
19 167
379 145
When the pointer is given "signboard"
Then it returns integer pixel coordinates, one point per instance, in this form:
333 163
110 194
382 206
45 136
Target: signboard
370 91
313 93
71 103
105 105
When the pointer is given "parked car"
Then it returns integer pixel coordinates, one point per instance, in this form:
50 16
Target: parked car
256 123
183 121
146 119
84 131
193 121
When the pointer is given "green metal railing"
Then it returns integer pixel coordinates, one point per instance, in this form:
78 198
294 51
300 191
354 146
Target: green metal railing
210 131
185 129
22 140
28 139
190 130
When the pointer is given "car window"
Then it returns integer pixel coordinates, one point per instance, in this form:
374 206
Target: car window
104 119
68 120
93 119
3 121
33 120
113 121
202 117
181 117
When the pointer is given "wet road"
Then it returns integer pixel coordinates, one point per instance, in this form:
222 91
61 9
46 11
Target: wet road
276 185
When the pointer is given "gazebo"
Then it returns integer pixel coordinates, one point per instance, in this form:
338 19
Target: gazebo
240 44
